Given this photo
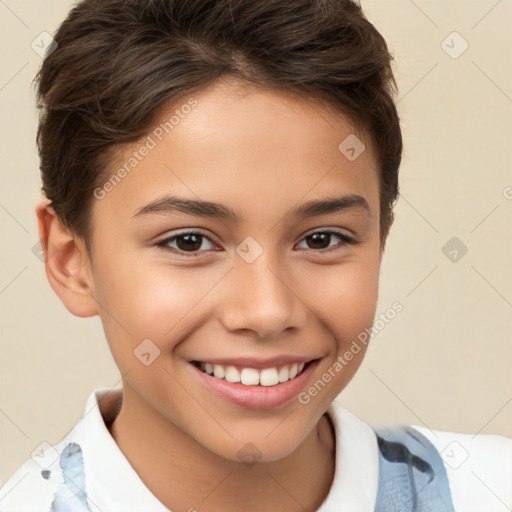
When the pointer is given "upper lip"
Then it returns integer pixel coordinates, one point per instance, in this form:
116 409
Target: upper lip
250 362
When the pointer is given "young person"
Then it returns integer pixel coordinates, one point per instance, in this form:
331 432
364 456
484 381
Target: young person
219 181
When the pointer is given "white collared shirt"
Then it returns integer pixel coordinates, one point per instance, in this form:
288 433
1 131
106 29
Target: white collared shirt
479 468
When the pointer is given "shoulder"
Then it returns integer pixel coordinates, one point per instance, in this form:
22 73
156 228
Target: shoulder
478 466
54 477
32 487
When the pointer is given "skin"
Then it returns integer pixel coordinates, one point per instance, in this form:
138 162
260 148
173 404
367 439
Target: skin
260 153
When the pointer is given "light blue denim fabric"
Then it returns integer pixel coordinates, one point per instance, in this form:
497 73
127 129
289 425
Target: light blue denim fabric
412 476
70 495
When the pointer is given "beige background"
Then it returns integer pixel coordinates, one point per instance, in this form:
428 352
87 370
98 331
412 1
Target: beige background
443 362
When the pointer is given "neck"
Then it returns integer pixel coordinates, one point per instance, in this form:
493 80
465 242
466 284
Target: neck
161 453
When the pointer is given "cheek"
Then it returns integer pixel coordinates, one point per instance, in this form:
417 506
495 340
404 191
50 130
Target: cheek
345 305
345 296
140 300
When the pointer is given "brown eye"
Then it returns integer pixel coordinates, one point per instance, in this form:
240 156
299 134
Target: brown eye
185 243
190 242
318 240
321 240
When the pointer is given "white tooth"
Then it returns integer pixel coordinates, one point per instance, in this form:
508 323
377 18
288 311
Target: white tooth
208 368
232 374
283 374
300 367
293 370
218 371
250 377
269 377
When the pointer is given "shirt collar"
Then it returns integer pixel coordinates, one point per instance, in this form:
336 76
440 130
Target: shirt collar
356 470
112 483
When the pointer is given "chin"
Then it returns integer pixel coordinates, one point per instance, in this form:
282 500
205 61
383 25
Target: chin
256 449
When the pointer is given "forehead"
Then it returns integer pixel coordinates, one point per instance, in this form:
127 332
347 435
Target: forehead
251 148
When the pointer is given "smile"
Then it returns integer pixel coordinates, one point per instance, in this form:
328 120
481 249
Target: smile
273 383
251 376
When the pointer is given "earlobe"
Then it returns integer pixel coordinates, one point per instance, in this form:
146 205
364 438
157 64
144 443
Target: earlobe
66 263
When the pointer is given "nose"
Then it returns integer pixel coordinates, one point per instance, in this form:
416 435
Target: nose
261 297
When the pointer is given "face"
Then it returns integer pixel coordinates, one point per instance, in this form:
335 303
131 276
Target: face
260 285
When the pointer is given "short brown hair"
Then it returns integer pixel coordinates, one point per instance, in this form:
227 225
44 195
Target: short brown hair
118 61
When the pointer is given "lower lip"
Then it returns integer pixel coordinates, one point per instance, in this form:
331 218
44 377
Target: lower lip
257 397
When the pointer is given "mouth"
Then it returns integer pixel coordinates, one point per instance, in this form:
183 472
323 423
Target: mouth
248 376
264 387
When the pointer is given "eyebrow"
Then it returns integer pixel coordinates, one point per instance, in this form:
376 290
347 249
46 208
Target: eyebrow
169 204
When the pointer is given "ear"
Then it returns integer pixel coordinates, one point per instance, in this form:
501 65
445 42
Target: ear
67 264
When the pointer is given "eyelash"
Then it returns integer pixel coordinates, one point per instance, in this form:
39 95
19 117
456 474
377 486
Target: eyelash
164 243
